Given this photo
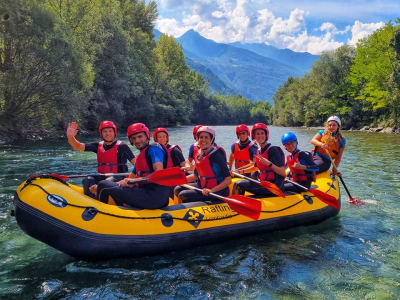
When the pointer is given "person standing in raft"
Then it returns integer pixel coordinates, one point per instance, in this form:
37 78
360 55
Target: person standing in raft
152 158
243 151
301 164
211 172
112 154
329 139
193 149
270 163
175 155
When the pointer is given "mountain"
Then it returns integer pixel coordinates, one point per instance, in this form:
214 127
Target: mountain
300 60
252 75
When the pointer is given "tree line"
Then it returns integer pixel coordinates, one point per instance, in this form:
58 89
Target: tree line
93 60
360 84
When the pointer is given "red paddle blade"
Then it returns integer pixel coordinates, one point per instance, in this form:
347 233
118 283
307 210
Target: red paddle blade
324 197
244 205
273 188
355 201
168 177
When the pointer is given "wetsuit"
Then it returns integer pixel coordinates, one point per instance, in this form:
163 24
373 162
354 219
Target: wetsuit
123 153
305 177
150 195
277 157
321 159
218 172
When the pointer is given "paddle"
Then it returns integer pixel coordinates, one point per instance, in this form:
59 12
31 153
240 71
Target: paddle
268 185
66 177
351 200
243 205
324 197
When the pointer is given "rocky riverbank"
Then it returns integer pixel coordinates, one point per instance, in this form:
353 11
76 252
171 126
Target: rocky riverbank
378 129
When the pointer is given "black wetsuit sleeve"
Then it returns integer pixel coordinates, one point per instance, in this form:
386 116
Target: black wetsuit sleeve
125 152
306 159
276 156
177 157
92 147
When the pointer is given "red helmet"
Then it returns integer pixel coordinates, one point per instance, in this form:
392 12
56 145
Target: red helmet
160 129
207 129
259 126
242 127
136 128
195 128
107 124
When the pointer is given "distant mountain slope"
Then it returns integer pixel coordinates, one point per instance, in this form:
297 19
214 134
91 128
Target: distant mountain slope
300 60
252 75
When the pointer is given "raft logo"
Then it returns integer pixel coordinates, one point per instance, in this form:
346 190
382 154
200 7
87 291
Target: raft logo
193 217
57 200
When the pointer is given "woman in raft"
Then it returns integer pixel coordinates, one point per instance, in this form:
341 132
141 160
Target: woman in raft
211 174
329 144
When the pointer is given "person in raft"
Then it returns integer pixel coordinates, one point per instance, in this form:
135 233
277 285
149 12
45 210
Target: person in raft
193 149
329 139
243 151
152 158
301 164
211 173
112 154
175 155
270 163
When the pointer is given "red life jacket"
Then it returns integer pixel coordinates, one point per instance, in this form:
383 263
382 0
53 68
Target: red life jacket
169 149
266 173
196 149
208 179
242 157
144 164
297 174
107 161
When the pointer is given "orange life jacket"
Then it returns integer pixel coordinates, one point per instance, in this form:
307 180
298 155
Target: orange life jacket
242 156
107 161
333 146
208 179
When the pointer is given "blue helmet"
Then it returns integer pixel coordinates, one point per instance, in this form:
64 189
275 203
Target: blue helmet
288 137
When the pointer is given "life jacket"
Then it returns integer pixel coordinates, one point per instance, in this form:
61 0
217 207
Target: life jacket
144 164
297 174
266 173
208 179
333 146
196 149
107 161
169 149
242 156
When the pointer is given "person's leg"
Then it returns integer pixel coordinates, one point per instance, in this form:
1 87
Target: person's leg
103 191
323 163
88 182
243 186
290 187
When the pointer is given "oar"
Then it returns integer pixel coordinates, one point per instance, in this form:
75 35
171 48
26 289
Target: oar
351 200
324 197
243 205
168 177
268 185
66 177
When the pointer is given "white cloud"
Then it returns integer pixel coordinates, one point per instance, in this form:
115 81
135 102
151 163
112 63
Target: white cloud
362 30
331 28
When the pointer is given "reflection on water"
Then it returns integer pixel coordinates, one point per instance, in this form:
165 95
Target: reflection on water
352 256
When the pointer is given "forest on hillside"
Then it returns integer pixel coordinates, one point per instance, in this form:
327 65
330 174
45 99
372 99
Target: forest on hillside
86 60
360 84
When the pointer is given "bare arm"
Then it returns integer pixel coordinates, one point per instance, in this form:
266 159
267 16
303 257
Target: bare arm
231 160
72 131
316 141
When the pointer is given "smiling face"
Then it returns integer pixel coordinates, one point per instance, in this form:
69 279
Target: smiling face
162 138
108 134
260 136
204 140
333 126
291 146
139 140
243 136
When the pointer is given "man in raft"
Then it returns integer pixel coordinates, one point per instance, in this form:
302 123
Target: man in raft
211 173
243 151
301 164
152 158
270 163
112 154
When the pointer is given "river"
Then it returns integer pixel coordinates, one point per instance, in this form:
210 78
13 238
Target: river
352 256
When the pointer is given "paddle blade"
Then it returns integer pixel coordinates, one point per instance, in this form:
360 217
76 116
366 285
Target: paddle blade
168 177
273 188
244 205
355 201
324 197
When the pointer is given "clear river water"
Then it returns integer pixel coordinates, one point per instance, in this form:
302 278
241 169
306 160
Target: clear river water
355 255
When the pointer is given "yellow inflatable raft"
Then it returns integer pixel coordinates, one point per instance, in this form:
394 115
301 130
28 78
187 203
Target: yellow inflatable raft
60 215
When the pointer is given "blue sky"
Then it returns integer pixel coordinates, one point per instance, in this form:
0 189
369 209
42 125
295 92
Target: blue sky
301 25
